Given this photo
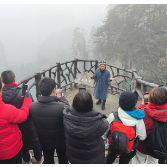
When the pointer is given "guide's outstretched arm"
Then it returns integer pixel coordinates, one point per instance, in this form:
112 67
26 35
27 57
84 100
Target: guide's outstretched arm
93 76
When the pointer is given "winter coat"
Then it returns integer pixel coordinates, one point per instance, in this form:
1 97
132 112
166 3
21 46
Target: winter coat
84 144
10 135
134 119
12 95
150 114
102 83
47 114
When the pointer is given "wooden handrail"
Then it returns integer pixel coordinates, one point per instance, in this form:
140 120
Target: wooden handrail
69 73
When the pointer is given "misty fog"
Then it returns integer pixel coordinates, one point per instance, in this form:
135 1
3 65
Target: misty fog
34 37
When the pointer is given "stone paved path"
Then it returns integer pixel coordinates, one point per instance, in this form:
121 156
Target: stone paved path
111 102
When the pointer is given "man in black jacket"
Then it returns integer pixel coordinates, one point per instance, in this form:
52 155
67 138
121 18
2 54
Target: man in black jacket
47 114
12 95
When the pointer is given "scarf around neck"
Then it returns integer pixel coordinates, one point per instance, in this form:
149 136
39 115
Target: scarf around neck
13 84
155 106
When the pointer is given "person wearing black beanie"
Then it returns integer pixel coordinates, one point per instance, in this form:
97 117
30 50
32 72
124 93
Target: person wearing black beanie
127 101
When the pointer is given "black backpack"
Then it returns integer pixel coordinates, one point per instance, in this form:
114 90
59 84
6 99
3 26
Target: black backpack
156 142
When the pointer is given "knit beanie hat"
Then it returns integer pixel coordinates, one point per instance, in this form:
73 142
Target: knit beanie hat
127 101
102 62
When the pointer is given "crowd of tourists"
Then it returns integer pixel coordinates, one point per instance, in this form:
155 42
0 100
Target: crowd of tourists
78 133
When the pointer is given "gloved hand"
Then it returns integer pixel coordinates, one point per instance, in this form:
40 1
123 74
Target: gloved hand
27 94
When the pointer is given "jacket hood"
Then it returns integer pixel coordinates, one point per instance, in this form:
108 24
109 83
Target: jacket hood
138 114
127 119
81 125
47 99
9 93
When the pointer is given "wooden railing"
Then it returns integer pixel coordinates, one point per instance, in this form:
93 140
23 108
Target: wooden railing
65 73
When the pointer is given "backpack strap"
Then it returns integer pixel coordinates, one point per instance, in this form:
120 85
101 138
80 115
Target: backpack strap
134 127
116 117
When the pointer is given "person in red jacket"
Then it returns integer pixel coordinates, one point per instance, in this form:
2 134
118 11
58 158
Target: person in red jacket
10 135
156 109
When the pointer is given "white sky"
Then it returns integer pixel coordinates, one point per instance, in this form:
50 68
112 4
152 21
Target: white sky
25 26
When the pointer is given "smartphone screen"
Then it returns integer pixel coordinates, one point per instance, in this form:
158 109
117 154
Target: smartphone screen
24 88
59 92
82 89
146 98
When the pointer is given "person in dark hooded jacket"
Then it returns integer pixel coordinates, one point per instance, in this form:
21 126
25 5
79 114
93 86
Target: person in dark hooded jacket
47 114
12 95
84 127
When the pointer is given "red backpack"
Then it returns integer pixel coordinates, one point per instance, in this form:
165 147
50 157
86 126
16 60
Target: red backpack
122 138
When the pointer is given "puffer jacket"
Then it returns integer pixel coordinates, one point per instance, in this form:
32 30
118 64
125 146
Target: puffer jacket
47 114
83 131
10 135
150 114
12 95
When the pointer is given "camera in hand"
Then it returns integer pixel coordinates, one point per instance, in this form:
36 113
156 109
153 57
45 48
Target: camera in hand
145 97
59 92
24 88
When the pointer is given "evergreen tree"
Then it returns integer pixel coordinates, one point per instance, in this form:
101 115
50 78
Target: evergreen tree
137 36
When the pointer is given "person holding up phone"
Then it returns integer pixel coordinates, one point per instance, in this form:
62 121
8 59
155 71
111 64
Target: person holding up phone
155 110
13 94
10 135
47 114
103 78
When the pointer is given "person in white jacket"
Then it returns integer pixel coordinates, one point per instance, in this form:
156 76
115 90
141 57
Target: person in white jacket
129 117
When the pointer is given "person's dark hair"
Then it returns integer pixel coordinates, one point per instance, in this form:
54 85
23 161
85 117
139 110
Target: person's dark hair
158 96
83 102
7 77
46 86
0 83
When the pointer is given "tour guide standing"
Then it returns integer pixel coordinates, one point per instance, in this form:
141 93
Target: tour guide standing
103 78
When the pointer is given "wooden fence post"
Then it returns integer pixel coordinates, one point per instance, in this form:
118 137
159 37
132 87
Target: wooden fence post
144 88
96 65
37 80
58 75
75 68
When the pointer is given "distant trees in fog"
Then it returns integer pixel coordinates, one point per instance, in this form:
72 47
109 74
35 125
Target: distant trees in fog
136 35
79 44
3 60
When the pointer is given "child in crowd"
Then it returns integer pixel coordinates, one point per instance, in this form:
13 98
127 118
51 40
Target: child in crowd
133 126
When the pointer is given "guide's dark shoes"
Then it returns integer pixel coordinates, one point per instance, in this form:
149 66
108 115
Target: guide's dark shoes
103 105
98 102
